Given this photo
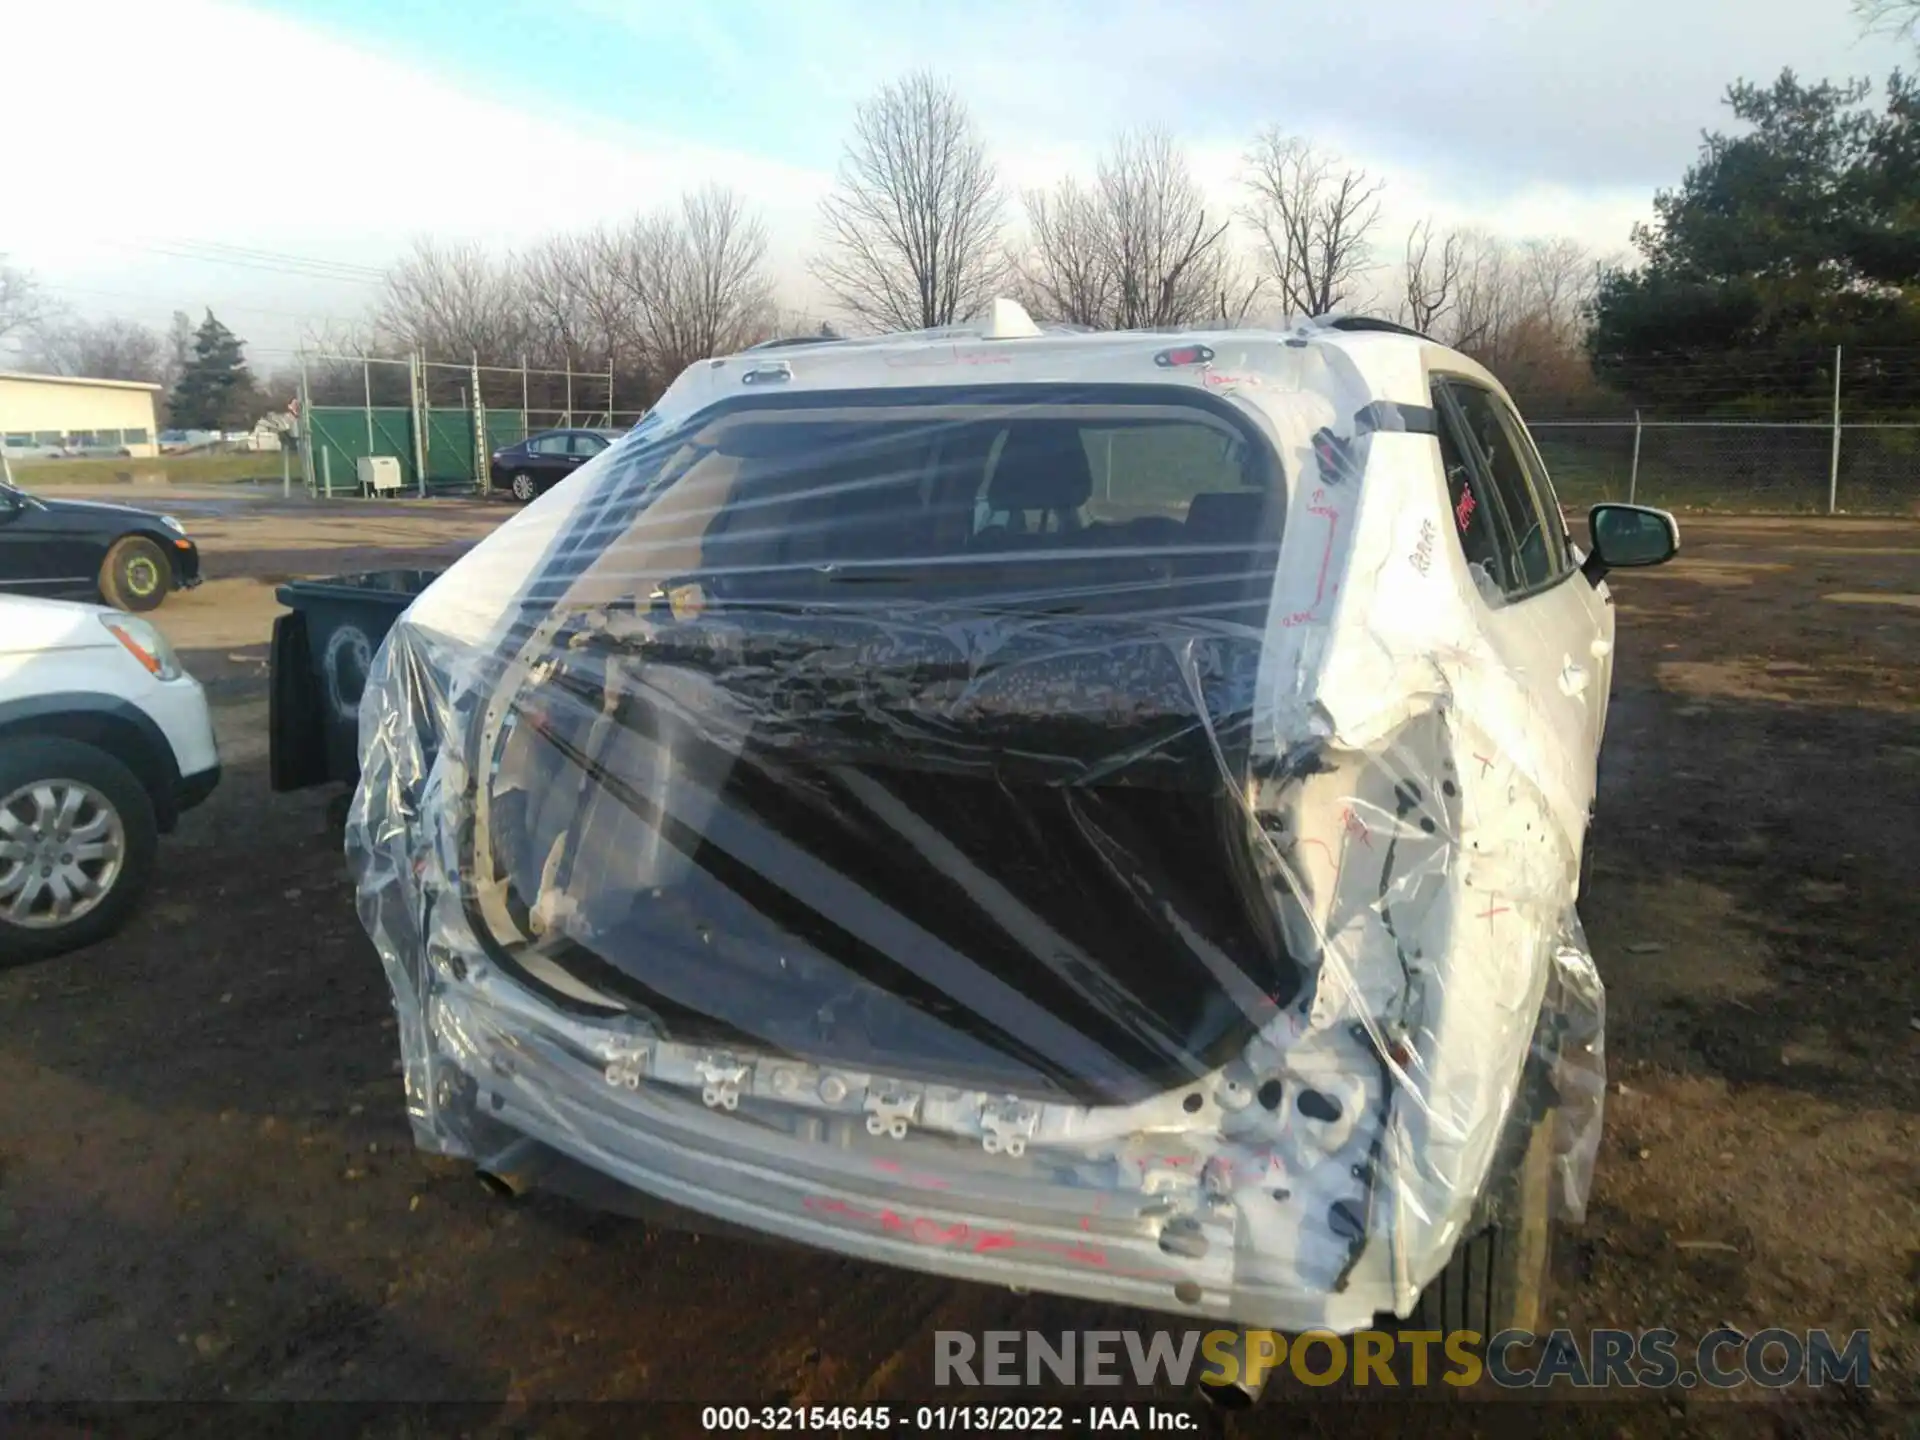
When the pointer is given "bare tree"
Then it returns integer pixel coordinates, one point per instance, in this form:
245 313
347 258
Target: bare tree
580 312
1067 274
1489 297
1166 252
1314 218
1559 277
1518 307
344 365
912 230
1510 294
557 323
1889 17
1137 250
99 349
452 302
1431 282
1239 288
696 281
22 303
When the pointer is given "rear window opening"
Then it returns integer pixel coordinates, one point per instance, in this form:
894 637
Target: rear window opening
927 753
1031 503
1100 944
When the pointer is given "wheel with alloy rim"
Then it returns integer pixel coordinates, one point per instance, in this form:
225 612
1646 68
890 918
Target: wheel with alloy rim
77 839
523 488
135 575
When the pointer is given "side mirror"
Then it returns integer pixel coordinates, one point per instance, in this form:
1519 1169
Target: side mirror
1629 537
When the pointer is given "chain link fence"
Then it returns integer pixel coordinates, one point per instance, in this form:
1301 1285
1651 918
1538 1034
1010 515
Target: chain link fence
442 419
437 420
1791 467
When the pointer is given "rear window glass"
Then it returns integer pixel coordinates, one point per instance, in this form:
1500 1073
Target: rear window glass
1157 469
809 490
771 496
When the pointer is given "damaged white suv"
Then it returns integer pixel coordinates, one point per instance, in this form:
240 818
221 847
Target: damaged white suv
1096 812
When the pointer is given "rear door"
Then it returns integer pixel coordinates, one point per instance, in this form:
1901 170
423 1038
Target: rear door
583 447
550 456
1541 614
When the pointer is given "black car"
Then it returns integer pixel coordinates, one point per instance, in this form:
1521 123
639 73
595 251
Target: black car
84 550
543 460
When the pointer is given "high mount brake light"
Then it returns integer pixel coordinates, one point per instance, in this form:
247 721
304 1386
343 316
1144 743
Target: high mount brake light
1183 355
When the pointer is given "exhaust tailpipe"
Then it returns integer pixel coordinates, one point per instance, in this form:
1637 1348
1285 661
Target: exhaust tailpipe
1249 1377
516 1170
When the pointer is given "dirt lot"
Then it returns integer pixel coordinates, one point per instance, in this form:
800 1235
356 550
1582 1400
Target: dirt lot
207 1189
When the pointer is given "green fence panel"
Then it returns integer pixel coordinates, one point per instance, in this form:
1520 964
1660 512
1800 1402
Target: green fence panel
504 428
339 437
338 434
449 448
393 435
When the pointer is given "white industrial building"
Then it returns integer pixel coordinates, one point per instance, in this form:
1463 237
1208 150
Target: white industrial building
60 414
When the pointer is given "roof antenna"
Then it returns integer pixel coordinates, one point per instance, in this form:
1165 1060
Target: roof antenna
1008 320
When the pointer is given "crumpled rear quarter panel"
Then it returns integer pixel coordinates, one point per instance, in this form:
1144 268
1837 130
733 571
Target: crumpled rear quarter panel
1082 914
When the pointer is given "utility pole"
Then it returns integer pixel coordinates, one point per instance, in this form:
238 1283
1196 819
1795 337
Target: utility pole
417 397
482 458
1833 462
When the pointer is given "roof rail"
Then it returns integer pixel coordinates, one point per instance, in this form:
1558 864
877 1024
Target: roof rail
782 342
1369 323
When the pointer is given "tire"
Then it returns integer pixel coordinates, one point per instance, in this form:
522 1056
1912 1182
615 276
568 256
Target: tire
1498 1276
114 805
136 574
523 487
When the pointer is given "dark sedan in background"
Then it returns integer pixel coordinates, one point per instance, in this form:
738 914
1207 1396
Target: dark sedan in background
85 550
543 460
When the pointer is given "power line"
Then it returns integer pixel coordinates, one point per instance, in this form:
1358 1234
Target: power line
156 305
361 277
373 271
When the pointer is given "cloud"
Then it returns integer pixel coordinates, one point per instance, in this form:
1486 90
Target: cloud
210 120
374 152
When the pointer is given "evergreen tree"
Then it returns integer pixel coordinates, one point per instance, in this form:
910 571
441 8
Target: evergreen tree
216 390
1781 243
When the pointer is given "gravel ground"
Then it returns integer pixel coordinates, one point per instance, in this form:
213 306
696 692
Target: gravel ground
208 1191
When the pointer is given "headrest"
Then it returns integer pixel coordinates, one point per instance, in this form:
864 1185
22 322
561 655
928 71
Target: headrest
1042 466
1225 515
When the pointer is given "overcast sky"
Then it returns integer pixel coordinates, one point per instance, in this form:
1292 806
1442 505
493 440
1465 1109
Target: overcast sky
339 130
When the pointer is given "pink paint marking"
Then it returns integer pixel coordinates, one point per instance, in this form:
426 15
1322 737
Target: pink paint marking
1485 763
981 1242
1332 516
1356 827
923 359
924 1182
1463 512
1332 859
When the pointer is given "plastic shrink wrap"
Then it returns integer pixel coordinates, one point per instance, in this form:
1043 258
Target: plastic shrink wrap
1046 811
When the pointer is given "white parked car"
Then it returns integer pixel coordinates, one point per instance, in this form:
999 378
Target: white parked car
104 741
1092 812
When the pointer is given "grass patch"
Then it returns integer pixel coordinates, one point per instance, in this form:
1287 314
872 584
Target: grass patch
163 470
